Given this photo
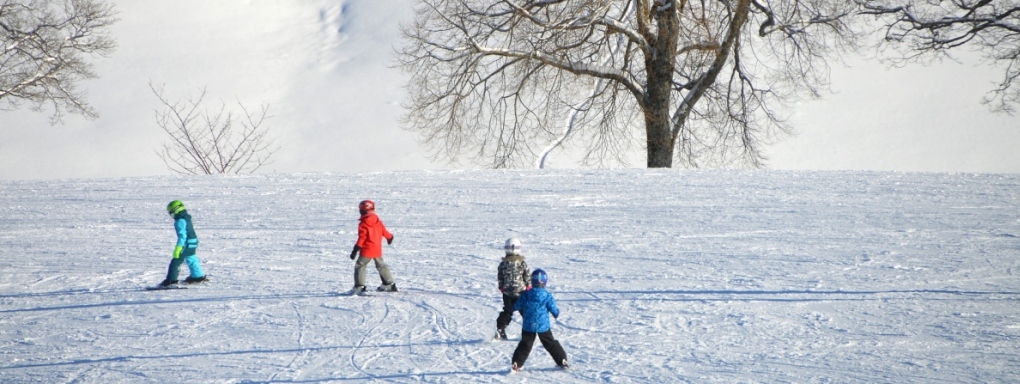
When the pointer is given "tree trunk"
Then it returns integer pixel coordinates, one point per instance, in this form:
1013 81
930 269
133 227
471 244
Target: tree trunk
657 127
656 105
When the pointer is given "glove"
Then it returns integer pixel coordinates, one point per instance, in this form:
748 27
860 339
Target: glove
177 251
390 240
354 252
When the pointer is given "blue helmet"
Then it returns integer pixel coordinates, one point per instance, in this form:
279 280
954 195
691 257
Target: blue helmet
539 278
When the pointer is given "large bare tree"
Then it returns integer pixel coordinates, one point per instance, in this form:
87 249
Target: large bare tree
215 141
705 81
43 50
926 29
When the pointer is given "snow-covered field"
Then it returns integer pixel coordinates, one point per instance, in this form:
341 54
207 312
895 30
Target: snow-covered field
662 276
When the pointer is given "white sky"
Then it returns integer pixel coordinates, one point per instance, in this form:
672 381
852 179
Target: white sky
918 118
325 68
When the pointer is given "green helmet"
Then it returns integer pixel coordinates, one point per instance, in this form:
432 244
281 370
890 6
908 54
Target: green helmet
174 207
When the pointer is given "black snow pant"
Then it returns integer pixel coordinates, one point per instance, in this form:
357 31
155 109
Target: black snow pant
508 311
548 341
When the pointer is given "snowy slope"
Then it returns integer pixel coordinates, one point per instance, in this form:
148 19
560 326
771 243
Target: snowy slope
662 276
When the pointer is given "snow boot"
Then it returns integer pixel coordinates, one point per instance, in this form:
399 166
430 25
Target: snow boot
564 365
500 334
391 287
514 368
168 283
358 290
193 280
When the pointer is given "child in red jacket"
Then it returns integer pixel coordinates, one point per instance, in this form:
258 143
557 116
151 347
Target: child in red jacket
371 232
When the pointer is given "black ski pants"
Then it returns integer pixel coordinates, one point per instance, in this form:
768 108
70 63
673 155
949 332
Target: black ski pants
548 341
508 311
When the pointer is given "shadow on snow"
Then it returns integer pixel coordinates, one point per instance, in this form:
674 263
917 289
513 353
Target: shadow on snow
295 295
235 353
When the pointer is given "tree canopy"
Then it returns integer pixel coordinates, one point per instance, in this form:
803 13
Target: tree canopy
920 29
43 49
701 80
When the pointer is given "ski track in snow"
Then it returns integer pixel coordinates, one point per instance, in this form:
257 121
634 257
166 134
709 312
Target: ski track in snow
661 276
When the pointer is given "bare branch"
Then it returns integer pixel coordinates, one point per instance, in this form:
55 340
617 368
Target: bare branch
43 45
212 143
923 29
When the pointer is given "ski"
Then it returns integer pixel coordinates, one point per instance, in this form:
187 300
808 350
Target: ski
353 293
180 285
543 369
390 289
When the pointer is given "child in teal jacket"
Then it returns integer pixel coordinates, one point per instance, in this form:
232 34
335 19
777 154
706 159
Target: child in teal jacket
184 251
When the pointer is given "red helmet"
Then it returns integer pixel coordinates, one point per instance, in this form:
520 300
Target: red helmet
366 205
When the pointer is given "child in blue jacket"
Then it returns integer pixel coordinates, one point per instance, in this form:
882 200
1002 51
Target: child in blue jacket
535 306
